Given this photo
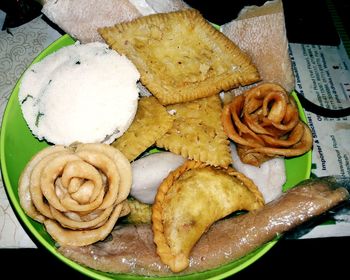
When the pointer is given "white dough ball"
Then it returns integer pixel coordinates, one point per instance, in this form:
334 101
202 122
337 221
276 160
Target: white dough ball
269 177
148 173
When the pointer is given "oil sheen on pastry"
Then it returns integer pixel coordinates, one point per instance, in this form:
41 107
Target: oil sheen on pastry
190 200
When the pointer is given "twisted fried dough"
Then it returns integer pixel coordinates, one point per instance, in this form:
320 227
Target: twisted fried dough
264 123
77 192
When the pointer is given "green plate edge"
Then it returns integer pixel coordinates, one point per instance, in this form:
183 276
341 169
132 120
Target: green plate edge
45 240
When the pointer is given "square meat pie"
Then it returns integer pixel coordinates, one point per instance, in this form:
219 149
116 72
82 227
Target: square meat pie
181 57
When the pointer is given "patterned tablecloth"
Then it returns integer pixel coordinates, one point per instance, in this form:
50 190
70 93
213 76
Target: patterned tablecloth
18 47
322 75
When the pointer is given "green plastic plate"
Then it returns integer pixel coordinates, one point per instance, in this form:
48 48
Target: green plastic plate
18 145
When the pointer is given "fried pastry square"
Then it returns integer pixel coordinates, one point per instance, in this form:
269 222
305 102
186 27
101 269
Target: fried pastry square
197 132
180 56
151 122
190 200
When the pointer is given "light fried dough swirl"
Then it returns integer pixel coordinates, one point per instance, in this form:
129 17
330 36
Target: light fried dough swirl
264 123
77 192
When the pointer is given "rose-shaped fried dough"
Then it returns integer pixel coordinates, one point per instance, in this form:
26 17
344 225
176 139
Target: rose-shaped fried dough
77 192
264 123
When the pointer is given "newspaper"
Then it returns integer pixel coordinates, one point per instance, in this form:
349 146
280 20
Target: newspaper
322 75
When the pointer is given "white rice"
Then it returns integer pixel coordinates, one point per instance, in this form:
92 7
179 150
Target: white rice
269 177
81 93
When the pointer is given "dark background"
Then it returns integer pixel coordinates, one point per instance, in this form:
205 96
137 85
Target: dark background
307 21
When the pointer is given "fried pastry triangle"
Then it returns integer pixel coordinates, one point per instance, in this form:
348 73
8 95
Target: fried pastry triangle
190 200
197 132
180 56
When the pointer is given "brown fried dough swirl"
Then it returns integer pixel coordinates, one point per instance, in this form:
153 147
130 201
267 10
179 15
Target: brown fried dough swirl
77 192
264 123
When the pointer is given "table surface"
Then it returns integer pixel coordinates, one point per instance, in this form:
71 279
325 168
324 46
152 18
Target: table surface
320 257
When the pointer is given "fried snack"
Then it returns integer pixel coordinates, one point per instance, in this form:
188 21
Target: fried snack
190 200
180 56
226 241
197 132
140 213
78 192
150 123
264 122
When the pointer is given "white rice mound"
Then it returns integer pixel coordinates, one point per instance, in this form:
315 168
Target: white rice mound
82 93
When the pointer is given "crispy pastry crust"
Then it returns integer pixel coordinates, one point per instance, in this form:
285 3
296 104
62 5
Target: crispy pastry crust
167 245
180 56
151 122
197 132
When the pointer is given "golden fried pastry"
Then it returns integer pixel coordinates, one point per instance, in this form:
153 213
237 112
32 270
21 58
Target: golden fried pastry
190 200
180 56
197 132
150 123
78 192
264 123
140 213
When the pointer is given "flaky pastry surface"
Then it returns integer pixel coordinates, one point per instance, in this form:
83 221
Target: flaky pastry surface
180 56
151 122
197 132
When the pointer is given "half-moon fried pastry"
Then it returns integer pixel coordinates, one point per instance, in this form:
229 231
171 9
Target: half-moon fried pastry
190 200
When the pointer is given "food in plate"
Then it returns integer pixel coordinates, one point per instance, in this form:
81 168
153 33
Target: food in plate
264 123
151 122
71 95
78 192
149 171
180 56
140 213
132 250
190 200
197 132
270 176
128 238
